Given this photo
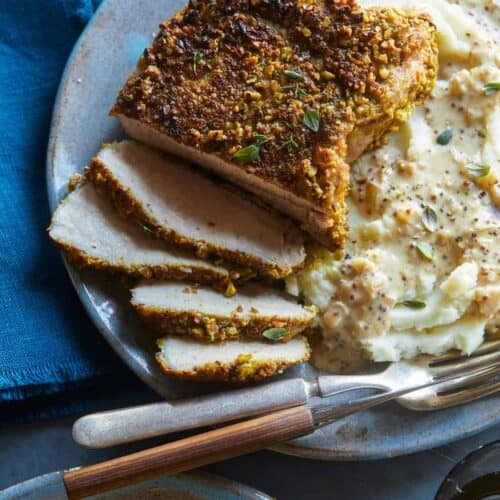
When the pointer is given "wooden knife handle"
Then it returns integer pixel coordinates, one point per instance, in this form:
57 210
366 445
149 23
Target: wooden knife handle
189 453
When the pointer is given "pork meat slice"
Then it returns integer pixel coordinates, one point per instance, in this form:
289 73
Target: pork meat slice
279 97
238 361
205 314
91 234
190 210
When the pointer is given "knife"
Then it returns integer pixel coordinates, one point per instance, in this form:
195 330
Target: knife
110 428
232 440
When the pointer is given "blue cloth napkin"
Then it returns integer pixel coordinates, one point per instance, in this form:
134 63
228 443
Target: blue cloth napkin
47 343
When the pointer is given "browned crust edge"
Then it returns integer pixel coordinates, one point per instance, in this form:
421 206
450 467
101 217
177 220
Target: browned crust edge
217 328
82 260
336 173
316 181
128 206
243 370
328 228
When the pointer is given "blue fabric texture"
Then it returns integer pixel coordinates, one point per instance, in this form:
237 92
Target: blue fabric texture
47 343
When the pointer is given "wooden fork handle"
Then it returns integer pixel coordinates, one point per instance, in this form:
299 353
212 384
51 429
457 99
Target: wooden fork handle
189 453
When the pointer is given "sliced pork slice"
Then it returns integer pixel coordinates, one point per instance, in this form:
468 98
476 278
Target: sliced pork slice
188 209
238 362
203 313
88 229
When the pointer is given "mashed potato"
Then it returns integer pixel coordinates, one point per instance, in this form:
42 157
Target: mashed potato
421 270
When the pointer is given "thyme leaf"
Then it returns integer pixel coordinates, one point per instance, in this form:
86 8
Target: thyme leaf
429 219
491 87
445 136
275 333
247 154
478 170
312 119
294 75
412 303
425 250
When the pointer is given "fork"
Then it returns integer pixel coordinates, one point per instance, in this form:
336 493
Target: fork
240 438
458 391
435 397
103 429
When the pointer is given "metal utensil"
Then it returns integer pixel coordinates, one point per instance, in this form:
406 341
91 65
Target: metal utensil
458 391
235 439
100 430
188 485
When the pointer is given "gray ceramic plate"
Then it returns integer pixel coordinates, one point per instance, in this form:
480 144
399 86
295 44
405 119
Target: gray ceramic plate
187 486
104 56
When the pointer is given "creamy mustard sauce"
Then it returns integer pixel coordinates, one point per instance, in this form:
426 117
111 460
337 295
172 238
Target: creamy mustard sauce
421 271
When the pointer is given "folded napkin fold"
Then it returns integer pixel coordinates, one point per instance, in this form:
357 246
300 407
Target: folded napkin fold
47 343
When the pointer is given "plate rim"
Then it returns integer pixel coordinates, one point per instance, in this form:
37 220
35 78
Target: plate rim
78 285
52 482
289 448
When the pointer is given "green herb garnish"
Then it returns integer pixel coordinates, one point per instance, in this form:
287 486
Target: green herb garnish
147 230
260 139
297 90
247 154
478 170
312 119
275 333
294 75
429 219
491 87
128 97
445 136
251 153
290 144
197 58
413 303
425 250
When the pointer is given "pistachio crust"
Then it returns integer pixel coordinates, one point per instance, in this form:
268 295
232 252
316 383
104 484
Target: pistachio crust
244 369
241 264
217 328
222 76
82 260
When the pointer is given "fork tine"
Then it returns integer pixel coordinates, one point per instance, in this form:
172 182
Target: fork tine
466 380
484 348
462 364
467 394
454 392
